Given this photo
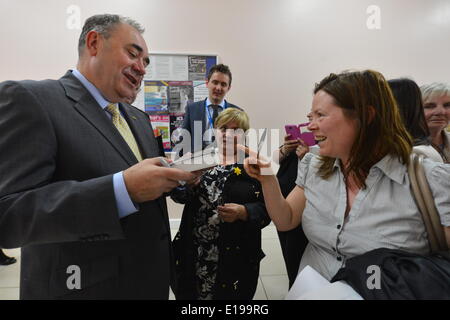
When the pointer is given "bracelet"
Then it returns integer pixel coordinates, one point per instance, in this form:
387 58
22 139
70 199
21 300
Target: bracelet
281 150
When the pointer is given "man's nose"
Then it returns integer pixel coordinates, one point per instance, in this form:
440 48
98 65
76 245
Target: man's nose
139 67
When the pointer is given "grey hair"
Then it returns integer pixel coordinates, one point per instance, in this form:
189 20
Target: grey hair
103 24
434 89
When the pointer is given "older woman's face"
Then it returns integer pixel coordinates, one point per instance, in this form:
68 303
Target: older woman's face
229 135
334 131
437 112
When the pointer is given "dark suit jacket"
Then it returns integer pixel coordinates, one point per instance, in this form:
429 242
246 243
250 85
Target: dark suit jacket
59 152
196 112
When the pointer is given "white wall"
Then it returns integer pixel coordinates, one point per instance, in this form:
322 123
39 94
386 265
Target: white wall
277 49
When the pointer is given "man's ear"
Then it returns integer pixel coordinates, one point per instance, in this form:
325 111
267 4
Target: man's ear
92 42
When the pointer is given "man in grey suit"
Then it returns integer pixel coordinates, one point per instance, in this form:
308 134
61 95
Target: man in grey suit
90 217
200 115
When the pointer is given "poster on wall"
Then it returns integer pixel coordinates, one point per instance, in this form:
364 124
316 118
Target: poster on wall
161 127
167 67
180 94
171 82
176 124
156 99
200 90
197 68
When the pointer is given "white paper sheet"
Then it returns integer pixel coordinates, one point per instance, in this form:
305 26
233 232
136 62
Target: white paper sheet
310 285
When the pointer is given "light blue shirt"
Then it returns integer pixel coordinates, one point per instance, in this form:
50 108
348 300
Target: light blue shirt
208 114
124 204
209 111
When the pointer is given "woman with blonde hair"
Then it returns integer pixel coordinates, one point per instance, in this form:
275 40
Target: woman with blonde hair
218 246
436 103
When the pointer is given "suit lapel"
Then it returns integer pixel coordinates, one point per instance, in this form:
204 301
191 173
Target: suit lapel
205 119
142 131
86 105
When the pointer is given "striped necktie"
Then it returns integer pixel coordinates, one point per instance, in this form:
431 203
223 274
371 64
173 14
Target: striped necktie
123 128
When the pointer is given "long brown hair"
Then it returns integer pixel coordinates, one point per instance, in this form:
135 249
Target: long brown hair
366 97
409 101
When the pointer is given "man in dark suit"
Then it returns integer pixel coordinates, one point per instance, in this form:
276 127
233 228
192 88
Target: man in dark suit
200 115
75 193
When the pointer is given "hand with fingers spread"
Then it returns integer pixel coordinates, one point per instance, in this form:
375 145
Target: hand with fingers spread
230 212
148 179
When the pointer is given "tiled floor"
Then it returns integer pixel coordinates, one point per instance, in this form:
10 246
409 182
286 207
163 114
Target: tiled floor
273 281
10 277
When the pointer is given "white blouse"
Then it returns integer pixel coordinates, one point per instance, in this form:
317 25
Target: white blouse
382 215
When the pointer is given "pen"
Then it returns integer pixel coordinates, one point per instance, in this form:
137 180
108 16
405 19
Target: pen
260 144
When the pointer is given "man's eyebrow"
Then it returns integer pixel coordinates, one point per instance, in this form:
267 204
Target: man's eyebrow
139 48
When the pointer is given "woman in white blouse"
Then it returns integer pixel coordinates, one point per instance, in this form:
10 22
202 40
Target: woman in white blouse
355 195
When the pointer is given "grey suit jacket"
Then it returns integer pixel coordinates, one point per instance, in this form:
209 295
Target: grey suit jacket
196 112
58 153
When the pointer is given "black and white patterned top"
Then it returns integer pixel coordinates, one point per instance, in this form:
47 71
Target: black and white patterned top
206 228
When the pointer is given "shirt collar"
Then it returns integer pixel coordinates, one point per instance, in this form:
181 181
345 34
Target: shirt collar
92 89
389 165
222 103
392 167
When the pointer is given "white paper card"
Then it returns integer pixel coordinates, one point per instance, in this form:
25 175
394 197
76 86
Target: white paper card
311 285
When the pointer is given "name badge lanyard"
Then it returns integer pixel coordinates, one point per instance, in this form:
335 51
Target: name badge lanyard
210 116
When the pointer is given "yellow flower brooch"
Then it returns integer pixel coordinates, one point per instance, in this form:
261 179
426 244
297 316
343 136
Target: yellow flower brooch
237 171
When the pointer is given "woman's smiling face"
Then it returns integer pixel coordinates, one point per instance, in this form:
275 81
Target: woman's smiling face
437 112
334 131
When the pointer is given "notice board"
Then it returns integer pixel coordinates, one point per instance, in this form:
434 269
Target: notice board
171 82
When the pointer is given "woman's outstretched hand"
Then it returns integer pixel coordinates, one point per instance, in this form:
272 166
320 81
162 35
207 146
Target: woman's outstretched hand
256 166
